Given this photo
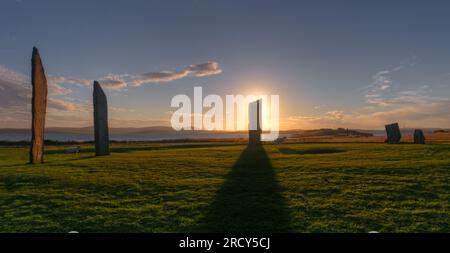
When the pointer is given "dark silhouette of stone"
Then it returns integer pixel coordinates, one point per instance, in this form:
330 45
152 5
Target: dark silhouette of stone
419 137
254 132
38 108
393 133
100 121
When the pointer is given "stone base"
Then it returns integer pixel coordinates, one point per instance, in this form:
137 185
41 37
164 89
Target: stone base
254 137
419 137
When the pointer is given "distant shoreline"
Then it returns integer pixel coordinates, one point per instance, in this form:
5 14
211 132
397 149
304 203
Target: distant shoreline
440 137
57 136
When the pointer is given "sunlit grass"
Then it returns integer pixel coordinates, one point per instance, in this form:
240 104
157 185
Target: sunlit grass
175 188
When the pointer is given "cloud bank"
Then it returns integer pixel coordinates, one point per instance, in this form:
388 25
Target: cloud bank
196 70
120 81
64 110
385 103
15 100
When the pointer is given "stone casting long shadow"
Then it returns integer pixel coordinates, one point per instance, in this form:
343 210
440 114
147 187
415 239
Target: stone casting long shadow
250 199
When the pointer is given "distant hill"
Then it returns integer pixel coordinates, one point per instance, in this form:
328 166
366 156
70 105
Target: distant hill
331 132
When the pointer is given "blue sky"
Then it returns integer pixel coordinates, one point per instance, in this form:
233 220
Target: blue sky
357 64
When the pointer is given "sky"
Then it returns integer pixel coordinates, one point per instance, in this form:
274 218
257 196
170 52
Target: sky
353 64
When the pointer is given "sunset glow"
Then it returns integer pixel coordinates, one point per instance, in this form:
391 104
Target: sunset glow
356 82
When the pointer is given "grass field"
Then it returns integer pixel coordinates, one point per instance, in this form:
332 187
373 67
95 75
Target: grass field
202 187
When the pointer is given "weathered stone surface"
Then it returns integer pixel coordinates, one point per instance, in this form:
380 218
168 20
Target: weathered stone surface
419 137
254 117
393 133
38 108
100 121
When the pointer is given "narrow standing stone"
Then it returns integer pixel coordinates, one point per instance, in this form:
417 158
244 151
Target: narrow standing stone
393 133
419 137
38 108
255 118
100 121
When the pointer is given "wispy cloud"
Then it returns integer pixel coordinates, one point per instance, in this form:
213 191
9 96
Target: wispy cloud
410 111
120 81
113 82
63 109
382 80
381 91
15 100
14 88
328 119
60 104
68 80
158 77
386 103
197 70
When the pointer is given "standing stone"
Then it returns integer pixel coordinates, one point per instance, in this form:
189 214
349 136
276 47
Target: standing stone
255 117
38 108
393 133
419 137
100 121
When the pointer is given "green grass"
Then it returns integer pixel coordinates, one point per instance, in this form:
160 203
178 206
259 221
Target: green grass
203 187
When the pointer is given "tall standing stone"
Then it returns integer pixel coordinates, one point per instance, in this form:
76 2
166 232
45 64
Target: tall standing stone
393 133
419 137
100 121
38 108
254 126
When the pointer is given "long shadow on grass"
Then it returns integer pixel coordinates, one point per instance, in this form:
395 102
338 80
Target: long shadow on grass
250 199
167 147
310 151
